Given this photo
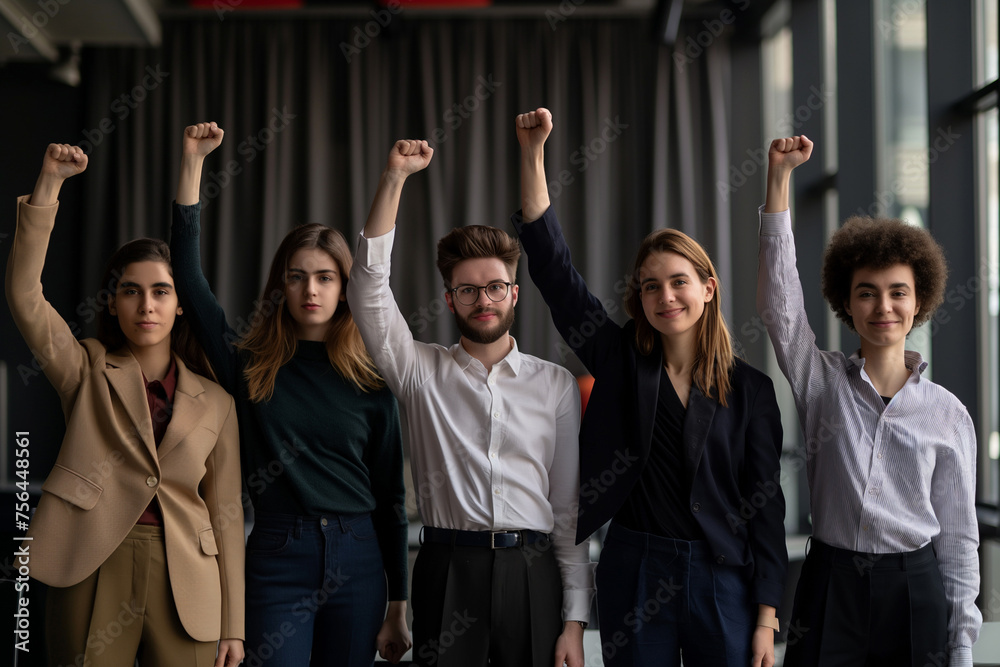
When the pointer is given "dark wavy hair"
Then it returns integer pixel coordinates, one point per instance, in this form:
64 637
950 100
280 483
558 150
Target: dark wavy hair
476 242
878 243
182 340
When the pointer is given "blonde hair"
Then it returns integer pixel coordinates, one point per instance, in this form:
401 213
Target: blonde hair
714 357
271 340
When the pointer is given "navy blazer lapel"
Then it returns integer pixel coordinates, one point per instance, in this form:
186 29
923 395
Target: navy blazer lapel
647 381
697 424
187 411
125 377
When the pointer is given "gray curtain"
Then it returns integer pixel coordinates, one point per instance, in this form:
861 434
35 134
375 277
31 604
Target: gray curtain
640 142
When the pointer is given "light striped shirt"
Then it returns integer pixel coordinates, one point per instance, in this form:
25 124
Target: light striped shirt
882 478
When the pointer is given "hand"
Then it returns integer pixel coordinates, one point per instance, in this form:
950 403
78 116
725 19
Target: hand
762 647
63 161
393 638
408 156
202 139
533 128
230 653
569 646
789 152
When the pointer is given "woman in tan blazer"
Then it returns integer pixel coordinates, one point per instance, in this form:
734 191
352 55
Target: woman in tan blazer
139 530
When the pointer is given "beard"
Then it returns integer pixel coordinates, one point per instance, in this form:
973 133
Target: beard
505 320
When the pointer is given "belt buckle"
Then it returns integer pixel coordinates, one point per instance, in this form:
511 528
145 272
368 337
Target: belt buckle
493 537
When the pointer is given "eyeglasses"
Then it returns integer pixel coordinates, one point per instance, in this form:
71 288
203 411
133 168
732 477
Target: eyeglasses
469 294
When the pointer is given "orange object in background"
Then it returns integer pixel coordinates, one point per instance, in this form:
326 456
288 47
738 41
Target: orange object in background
586 383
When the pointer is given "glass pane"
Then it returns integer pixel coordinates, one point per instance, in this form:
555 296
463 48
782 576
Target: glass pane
987 51
901 98
989 143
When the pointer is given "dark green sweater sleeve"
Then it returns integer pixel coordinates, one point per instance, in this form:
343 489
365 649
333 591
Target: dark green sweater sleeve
203 312
384 459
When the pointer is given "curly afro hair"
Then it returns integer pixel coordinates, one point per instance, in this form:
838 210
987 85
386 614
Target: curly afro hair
878 243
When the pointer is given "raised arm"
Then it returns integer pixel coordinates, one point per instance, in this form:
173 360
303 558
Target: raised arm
533 128
780 301
199 141
49 337
382 326
208 320
549 263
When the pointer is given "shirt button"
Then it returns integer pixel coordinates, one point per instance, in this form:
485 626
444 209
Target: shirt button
880 455
496 415
323 521
493 455
496 491
720 560
873 492
493 381
864 528
696 507
151 481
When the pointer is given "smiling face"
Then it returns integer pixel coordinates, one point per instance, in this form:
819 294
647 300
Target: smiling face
882 305
313 291
485 321
145 304
673 296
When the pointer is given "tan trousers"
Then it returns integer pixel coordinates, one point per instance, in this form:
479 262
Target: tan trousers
124 610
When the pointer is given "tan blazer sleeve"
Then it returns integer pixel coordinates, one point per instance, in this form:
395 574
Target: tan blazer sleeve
222 490
51 340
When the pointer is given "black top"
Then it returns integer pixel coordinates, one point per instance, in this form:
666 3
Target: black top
660 500
319 445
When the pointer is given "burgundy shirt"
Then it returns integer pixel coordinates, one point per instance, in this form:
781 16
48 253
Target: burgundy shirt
160 397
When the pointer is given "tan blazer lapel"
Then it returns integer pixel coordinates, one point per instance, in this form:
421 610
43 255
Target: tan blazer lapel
125 377
188 409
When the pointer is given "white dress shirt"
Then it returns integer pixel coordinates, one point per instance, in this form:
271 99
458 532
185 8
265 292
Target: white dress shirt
882 478
493 450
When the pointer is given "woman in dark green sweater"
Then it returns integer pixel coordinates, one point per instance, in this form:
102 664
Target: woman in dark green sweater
322 452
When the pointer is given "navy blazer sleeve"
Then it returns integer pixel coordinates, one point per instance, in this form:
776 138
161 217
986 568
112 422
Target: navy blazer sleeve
580 317
206 316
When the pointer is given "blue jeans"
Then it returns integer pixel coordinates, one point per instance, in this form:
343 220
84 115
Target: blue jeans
658 597
314 586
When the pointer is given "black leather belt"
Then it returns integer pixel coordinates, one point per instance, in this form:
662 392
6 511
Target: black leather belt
499 539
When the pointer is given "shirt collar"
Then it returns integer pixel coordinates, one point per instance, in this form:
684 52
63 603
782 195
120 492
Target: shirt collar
913 360
512 360
168 384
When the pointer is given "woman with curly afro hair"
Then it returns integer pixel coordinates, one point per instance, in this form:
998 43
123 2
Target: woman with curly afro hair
892 574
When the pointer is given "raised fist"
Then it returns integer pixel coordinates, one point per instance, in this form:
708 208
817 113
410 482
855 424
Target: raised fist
533 128
408 156
789 152
63 161
202 139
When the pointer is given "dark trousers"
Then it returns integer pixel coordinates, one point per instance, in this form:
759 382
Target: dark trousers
474 606
659 598
866 610
314 586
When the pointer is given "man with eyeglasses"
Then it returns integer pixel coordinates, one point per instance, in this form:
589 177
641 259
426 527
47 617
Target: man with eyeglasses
493 446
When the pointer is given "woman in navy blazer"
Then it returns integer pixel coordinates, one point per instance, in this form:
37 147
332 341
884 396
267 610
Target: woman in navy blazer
679 448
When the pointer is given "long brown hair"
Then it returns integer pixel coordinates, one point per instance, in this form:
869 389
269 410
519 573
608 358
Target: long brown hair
714 358
271 340
182 340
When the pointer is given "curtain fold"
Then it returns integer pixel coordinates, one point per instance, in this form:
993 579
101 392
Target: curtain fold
639 143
